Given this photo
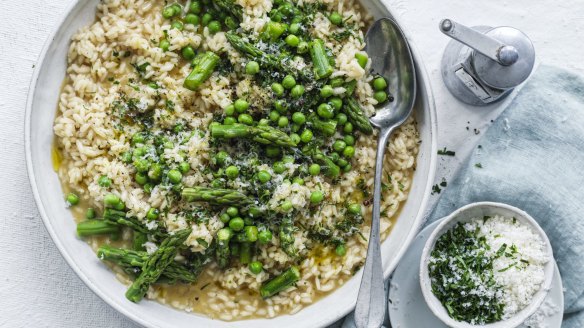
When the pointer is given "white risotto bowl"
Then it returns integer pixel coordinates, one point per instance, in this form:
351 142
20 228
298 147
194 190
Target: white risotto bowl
40 114
466 214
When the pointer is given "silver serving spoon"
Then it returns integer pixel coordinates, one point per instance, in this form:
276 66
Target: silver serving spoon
391 58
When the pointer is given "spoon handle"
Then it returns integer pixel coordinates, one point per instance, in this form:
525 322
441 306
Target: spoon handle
371 302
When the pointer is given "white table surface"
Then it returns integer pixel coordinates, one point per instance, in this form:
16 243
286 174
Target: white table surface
38 289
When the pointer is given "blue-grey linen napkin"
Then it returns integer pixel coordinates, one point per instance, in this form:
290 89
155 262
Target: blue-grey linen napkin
532 157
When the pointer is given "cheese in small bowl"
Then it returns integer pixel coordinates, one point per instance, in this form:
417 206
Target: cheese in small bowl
486 265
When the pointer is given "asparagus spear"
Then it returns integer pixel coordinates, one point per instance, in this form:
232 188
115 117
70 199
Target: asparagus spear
263 134
119 218
263 58
204 66
245 253
326 127
96 227
215 196
322 67
134 260
329 168
156 264
222 252
280 283
230 7
287 236
356 116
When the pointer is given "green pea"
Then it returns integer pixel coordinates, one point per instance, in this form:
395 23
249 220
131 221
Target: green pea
184 167
273 151
349 152
168 12
380 96
177 25
126 157
195 7
326 91
294 28
232 211
298 118
206 19
256 267
280 106
342 162
283 122
229 110
192 19
339 145
314 169
236 224
104 181
141 165
264 176
279 168
164 44
188 53
252 67
292 40
288 159
286 206
232 172
341 118
111 200
153 214
288 82
354 209
277 88
264 121
348 127
325 111
362 59
295 138
302 47
177 8
298 181
138 138
224 217
349 140
341 250
214 27
274 116
174 176
141 178
316 197
347 168
229 120
306 136
379 84
147 188
155 172
264 237
245 119
297 91
275 29
221 157
168 145
72 199
335 157
90 213
241 105
336 102
336 18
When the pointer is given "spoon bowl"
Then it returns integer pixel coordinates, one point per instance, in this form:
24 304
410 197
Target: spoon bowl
391 58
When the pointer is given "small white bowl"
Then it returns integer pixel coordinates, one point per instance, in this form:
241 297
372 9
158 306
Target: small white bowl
465 214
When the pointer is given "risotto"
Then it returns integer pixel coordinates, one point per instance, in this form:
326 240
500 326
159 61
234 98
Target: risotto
218 155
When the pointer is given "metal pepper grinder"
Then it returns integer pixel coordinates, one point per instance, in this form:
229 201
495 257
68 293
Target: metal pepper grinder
482 64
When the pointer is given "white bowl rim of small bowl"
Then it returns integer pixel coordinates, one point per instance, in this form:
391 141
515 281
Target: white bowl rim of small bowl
466 214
